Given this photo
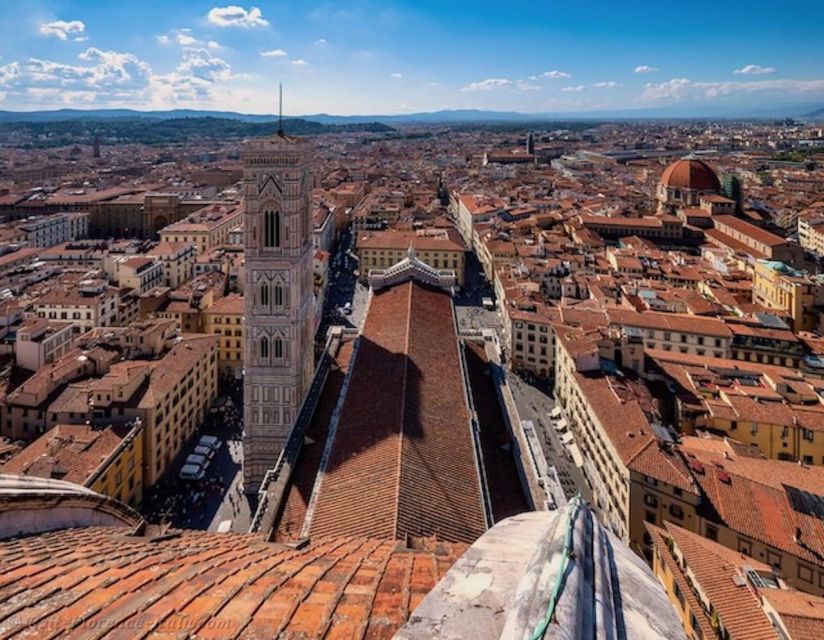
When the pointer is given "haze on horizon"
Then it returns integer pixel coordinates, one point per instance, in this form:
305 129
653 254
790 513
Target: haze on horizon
399 57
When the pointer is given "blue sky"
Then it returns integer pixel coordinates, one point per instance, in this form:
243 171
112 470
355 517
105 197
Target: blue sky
397 57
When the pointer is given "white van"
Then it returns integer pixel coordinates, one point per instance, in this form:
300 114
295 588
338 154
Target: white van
210 441
206 452
192 472
197 461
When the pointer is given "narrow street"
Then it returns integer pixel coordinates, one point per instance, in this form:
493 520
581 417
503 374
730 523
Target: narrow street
534 403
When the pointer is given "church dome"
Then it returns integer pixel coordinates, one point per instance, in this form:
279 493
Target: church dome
690 174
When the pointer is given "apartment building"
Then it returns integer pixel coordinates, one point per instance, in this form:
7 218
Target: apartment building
628 455
178 259
796 295
186 304
169 387
765 509
531 338
811 230
108 459
678 332
739 236
439 248
777 409
661 228
206 228
57 228
720 592
469 210
139 274
24 412
40 342
89 304
226 319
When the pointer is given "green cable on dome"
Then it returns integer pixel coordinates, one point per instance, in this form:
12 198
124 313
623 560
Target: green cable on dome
559 578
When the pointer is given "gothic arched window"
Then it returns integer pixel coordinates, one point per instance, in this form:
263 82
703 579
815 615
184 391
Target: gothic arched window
264 347
278 295
271 229
264 294
278 347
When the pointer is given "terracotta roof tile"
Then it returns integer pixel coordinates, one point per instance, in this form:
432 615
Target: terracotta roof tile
102 582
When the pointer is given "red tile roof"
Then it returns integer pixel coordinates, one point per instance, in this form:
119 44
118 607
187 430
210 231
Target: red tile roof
102 581
712 567
690 174
296 501
402 462
71 452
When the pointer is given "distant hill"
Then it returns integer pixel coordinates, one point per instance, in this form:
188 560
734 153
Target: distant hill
82 114
448 116
152 130
818 114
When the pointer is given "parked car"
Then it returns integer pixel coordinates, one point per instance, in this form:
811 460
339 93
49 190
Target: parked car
192 472
212 442
195 459
206 452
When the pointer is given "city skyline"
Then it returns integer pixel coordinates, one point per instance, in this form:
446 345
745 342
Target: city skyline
402 57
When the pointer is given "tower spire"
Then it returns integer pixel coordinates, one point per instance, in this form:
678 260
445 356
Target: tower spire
280 109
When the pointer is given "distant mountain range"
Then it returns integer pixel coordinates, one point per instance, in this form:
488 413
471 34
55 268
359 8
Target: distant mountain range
796 110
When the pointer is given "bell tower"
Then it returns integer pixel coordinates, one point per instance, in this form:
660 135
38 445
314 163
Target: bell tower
279 340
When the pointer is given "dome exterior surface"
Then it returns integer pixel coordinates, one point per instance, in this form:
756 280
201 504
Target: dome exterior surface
690 174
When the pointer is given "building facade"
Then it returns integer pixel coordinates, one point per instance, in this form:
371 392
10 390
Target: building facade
795 294
279 336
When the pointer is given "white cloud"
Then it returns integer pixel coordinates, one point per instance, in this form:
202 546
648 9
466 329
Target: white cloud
320 42
200 63
522 85
580 88
61 29
274 53
60 95
645 68
607 84
300 62
9 72
212 44
234 16
555 74
671 90
432 84
108 68
173 88
754 70
486 85
184 39
396 76
119 78
685 89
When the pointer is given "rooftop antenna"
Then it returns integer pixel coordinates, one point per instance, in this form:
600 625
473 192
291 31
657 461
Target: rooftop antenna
280 109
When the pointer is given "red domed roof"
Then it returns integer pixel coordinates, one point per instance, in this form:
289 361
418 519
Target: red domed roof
690 174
